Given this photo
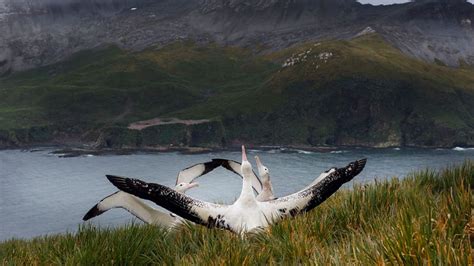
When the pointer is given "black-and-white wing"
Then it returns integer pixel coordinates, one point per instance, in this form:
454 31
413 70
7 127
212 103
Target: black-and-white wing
135 206
321 177
310 197
187 175
234 166
194 210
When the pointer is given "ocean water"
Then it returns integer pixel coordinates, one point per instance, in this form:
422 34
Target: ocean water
41 193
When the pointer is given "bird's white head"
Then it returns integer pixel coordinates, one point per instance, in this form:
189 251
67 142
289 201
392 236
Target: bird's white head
246 167
263 171
183 187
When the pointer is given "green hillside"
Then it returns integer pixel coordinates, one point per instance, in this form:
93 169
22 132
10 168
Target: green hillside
358 92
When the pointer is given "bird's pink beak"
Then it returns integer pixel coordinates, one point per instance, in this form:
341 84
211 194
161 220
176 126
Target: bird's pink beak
244 155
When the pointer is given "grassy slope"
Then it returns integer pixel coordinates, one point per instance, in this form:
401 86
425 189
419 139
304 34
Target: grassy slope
367 93
94 86
425 218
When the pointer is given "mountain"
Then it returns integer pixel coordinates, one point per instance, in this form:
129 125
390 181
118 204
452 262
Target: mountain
358 92
215 73
38 33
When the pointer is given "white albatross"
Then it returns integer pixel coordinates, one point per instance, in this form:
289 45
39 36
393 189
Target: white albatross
246 214
267 188
137 207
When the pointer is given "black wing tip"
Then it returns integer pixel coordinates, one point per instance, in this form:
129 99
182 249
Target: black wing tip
112 177
359 165
119 182
354 168
93 212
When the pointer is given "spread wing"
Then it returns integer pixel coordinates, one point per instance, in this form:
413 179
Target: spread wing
135 206
194 210
321 177
187 175
310 197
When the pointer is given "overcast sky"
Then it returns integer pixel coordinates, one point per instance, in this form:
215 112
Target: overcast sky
385 2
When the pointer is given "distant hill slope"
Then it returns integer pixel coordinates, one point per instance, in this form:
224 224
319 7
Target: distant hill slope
38 33
361 92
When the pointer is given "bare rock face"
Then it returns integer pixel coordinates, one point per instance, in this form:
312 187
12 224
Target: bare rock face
237 5
240 6
36 33
433 30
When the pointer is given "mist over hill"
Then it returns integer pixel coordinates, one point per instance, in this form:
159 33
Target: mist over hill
37 33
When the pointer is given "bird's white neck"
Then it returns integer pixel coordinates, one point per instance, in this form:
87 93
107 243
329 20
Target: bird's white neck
247 197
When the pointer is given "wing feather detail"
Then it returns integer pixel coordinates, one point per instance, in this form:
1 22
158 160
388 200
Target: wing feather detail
187 175
312 196
194 210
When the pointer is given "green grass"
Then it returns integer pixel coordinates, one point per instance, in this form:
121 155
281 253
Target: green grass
424 218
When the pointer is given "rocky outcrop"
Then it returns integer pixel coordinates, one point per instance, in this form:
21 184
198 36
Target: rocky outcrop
26 136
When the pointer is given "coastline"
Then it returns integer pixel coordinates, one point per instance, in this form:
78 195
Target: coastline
75 149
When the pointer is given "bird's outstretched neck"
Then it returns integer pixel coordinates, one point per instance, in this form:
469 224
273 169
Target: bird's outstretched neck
247 194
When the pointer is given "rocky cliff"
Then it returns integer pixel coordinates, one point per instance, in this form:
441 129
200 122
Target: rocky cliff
38 33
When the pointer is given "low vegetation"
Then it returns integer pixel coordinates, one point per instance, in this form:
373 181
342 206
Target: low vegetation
424 218
359 92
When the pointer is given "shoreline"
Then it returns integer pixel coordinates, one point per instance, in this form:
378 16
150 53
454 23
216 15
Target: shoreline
65 150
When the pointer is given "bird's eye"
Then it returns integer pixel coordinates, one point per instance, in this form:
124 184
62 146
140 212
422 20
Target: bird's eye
180 185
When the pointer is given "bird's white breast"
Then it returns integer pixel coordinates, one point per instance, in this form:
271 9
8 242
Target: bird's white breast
246 216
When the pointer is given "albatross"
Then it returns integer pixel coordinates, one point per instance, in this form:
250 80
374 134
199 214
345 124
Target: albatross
141 210
246 214
267 188
185 180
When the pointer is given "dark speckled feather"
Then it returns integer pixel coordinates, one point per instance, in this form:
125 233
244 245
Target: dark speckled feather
168 198
309 198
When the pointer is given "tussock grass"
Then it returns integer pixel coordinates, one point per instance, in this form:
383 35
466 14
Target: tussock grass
425 218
